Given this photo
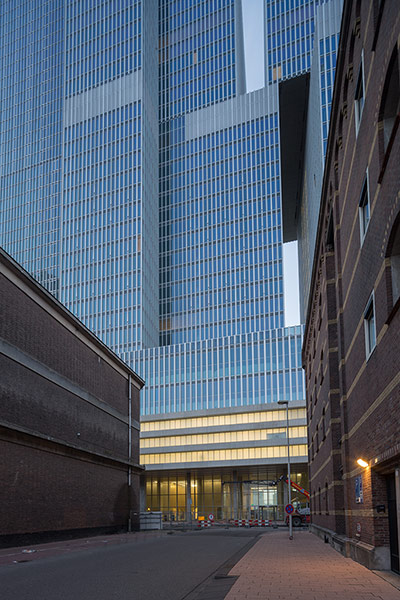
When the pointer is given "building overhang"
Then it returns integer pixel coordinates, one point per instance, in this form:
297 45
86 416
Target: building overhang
293 105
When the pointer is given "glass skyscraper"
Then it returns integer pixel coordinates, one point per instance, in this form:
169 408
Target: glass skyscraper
322 76
141 185
222 341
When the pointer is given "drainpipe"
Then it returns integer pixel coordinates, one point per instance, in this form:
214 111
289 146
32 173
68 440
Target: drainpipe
397 496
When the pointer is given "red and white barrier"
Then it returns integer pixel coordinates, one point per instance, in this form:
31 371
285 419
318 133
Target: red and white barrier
204 524
241 523
261 523
252 523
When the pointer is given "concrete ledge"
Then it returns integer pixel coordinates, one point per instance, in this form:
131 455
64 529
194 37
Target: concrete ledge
372 557
390 577
338 542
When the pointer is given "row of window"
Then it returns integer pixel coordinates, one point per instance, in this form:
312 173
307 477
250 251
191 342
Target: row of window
219 329
201 165
254 337
223 438
170 107
154 373
172 133
388 113
224 455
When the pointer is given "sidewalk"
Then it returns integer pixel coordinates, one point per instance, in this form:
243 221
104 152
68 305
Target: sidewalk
305 568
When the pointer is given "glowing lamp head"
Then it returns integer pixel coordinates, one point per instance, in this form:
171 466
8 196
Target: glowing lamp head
362 463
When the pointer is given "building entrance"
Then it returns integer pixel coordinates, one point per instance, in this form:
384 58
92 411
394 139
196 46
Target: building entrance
263 502
226 494
393 526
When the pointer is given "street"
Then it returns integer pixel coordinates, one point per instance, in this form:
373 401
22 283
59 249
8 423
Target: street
213 564
165 567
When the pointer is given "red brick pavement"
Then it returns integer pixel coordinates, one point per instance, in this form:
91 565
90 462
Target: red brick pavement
304 568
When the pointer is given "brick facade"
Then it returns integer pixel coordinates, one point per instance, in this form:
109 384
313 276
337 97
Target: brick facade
353 386
69 420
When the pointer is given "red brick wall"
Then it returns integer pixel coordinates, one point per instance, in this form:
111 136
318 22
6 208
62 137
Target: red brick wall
49 490
63 421
363 395
28 326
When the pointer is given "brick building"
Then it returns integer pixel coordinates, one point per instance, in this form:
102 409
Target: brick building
352 338
69 421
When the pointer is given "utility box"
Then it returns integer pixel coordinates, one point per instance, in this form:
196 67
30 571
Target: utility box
150 520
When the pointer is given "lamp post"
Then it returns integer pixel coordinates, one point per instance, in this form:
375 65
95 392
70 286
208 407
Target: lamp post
286 403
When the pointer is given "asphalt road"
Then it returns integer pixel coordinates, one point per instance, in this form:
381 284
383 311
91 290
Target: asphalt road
171 567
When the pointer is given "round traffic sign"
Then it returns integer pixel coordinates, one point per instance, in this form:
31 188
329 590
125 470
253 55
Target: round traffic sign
289 508
211 517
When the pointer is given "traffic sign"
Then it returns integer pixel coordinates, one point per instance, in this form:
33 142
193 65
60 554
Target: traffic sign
289 508
211 517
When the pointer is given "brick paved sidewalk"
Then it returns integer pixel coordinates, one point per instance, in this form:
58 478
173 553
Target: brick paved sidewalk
303 569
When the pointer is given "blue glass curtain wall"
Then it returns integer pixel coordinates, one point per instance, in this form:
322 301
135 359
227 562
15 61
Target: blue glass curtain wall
231 371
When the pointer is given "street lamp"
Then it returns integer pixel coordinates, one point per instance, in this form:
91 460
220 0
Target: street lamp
286 403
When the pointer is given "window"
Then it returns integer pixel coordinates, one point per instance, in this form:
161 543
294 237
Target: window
389 111
369 326
326 499
360 95
321 372
394 255
378 12
390 106
364 208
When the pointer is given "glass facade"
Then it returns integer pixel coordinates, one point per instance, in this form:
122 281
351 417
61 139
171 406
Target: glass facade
31 98
101 276
227 494
176 448
289 37
230 454
222 438
200 54
221 336
220 259
253 417
222 372
109 225
103 41
142 186
322 76
157 224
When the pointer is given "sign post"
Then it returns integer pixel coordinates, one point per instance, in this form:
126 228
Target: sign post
289 508
289 483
